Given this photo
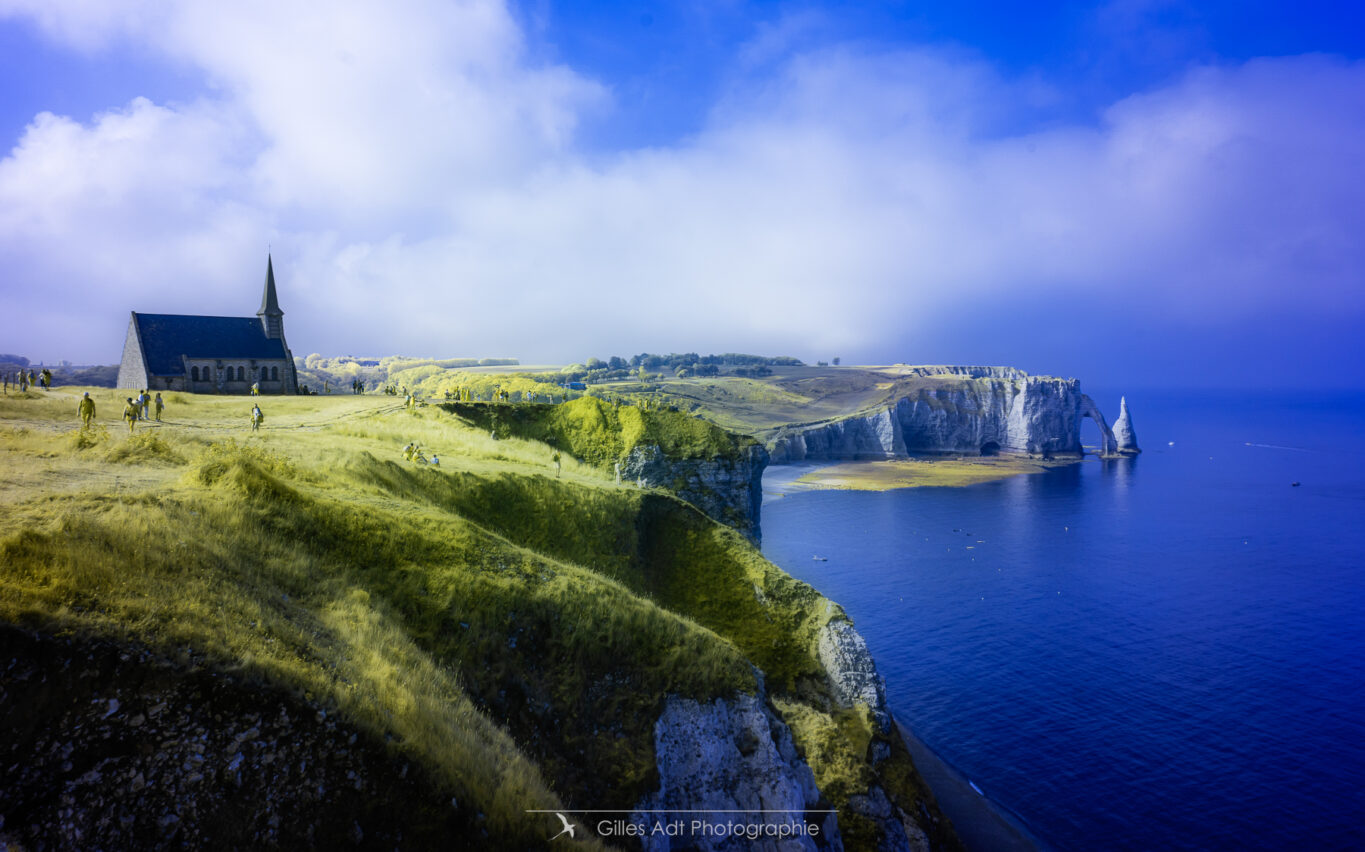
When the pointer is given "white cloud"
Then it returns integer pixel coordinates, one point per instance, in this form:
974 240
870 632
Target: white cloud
421 185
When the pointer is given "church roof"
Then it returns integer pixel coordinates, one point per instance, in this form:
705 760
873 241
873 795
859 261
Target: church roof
167 337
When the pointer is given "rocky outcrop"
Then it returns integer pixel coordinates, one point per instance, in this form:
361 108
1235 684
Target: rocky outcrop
727 760
725 489
854 680
852 672
722 763
113 747
1125 439
1001 410
898 830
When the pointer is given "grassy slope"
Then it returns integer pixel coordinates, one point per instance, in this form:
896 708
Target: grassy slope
514 632
601 432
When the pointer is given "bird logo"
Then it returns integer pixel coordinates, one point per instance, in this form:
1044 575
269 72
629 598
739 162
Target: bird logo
568 827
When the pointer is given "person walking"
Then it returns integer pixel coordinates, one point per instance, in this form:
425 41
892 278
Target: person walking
130 414
87 410
159 406
145 399
256 418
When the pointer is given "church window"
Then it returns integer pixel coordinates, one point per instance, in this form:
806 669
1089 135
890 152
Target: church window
194 373
274 374
241 374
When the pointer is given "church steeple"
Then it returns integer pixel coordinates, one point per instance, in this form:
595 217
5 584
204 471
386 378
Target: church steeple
272 318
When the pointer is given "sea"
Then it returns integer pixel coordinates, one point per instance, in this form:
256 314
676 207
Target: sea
1164 652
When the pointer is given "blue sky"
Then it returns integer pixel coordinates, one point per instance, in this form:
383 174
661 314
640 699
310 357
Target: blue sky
1134 193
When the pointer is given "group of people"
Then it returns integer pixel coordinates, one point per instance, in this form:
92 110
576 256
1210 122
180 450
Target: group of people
137 408
498 395
25 379
413 453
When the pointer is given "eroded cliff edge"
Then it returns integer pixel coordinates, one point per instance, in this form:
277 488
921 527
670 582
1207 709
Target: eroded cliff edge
958 410
717 471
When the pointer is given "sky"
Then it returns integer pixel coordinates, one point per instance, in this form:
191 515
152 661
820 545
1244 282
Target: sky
1136 193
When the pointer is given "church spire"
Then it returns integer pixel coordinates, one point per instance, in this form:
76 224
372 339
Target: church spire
272 318
270 304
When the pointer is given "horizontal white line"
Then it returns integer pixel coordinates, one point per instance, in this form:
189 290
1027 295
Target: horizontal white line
683 811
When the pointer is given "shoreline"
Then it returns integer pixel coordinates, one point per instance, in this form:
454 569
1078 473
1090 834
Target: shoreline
982 824
891 474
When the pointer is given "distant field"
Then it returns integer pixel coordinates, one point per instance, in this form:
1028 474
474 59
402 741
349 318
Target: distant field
791 396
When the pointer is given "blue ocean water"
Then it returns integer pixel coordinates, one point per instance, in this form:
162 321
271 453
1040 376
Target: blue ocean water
1166 652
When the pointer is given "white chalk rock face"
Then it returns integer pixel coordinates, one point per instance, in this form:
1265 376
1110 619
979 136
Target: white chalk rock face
986 411
721 759
976 416
1124 436
726 490
853 676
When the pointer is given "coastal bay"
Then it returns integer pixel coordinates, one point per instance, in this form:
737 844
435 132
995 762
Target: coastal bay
1136 652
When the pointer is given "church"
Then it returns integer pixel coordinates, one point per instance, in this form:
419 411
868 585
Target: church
211 354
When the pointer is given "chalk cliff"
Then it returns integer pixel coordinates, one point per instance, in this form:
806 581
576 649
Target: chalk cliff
976 411
719 758
728 489
1124 437
852 672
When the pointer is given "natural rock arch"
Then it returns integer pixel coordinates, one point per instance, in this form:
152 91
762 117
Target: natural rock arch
1108 446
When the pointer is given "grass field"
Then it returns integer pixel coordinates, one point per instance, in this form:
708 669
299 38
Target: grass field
759 406
514 631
